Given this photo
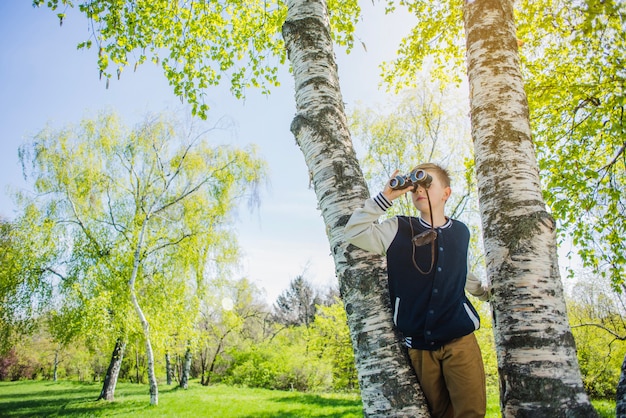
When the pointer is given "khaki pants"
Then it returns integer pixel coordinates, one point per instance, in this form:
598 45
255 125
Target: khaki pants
452 378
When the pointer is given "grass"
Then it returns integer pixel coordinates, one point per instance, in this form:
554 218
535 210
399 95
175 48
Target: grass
50 399
42 398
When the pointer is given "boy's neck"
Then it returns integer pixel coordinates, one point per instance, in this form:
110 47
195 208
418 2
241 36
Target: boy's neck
439 219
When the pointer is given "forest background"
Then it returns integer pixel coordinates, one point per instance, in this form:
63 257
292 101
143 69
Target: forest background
589 299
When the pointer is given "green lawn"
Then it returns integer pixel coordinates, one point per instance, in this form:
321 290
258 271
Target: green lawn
43 398
49 399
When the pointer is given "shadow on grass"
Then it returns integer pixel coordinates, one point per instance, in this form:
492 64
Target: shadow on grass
64 399
312 406
319 401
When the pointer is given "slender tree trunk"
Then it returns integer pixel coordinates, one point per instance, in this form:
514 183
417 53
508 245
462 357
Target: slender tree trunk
137 364
388 385
204 357
184 379
168 368
620 407
539 372
203 363
214 360
56 365
110 380
154 389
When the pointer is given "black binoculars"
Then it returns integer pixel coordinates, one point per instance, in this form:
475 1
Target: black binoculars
415 178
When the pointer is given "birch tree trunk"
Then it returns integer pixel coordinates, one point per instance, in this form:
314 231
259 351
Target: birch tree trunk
388 385
56 365
110 380
168 369
539 372
154 388
184 378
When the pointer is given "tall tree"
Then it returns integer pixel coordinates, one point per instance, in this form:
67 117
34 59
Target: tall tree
576 94
124 196
388 386
519 234
296 304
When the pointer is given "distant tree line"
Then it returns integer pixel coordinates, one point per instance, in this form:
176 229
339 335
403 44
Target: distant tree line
257 345
241 341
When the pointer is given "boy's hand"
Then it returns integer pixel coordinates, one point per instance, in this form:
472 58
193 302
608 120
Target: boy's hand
392 194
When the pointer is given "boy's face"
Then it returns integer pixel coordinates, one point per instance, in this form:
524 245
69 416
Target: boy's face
437 192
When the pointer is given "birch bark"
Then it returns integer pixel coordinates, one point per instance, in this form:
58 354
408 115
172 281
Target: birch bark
154 388
539 372
184 379
388 384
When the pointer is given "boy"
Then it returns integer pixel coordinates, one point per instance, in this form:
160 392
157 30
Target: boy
427 271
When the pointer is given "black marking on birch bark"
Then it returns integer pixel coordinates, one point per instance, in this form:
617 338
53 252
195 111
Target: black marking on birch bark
305 30
555 399
528 341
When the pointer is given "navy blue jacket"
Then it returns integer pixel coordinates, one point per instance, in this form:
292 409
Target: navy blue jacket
432 309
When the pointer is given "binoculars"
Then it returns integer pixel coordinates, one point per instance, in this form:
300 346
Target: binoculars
415 178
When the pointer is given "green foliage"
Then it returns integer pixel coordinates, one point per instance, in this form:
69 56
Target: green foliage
289 368
231 315
313 358
330 340
34 356
597 318
573 59
198 44
436 40
149 200
30 249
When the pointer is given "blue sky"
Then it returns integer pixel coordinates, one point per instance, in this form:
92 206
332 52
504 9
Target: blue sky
45 80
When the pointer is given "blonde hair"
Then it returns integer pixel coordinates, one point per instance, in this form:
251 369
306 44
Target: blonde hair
439 171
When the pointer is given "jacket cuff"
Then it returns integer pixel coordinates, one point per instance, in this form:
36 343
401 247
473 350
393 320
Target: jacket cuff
382 201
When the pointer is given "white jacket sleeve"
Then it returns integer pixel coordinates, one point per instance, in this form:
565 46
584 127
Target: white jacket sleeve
476 288
363 231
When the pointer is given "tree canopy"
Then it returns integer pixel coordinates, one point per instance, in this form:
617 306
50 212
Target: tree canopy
144 213
198 44
572 61
574 66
